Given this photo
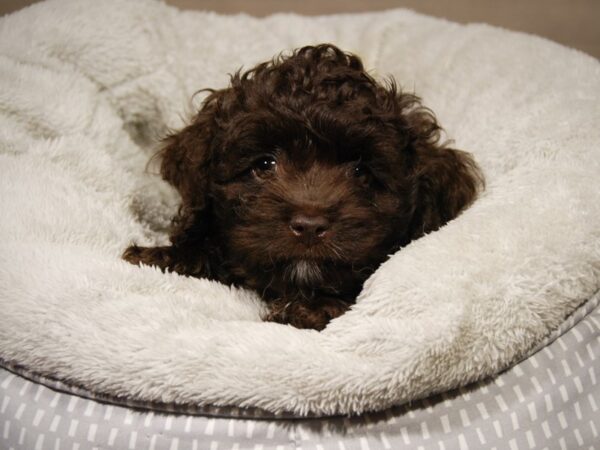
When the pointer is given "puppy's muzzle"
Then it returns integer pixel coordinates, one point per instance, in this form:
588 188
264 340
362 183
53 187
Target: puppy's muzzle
309 227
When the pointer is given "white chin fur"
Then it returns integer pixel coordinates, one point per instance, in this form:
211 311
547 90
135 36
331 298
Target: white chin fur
305 272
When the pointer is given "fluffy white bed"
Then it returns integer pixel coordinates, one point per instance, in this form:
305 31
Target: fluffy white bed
88 87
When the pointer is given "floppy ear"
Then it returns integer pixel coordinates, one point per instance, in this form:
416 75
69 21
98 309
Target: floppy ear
447 181
444 181
185 162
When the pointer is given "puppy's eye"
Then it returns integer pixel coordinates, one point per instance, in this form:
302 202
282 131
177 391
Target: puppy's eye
362 173
360 170
264 165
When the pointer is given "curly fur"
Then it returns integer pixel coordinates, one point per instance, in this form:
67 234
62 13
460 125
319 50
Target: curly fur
312 136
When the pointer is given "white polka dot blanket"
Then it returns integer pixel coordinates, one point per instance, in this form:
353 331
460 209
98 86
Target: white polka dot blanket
88 88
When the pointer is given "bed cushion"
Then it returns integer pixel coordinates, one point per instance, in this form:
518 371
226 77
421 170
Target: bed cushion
550 399
89 87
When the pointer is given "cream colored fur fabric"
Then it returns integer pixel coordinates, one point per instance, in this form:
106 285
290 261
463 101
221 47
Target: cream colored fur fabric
88 87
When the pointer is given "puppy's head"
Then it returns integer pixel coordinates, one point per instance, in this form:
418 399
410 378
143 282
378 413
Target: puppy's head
307 168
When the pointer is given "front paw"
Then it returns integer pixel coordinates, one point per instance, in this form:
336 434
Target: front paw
185 261
309 315
150 256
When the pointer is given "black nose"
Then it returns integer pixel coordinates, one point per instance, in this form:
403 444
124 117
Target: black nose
309 226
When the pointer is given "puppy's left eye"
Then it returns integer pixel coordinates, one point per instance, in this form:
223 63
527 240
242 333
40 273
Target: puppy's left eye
362 173
263 166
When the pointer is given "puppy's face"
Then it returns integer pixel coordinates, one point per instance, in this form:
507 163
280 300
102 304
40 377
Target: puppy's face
305 174
305 204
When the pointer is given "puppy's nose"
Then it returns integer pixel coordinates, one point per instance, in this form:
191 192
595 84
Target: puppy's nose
309 226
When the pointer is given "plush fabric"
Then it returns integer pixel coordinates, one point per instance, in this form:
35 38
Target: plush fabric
87 88
511 412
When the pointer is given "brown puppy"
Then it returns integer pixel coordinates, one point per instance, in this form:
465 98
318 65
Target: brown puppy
301 178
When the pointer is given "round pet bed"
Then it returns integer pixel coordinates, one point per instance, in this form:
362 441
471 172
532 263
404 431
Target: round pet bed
89 87
547 401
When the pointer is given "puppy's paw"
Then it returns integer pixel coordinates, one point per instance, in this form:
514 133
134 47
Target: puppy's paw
314 315
173 259
150 256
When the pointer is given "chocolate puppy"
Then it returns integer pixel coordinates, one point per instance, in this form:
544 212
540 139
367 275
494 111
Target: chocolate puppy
300 178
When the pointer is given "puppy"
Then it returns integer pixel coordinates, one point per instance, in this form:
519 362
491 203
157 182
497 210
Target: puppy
301 177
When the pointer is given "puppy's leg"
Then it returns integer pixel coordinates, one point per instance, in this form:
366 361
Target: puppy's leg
315 314
171 258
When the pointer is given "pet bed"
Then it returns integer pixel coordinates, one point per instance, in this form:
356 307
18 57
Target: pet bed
88 87
546 401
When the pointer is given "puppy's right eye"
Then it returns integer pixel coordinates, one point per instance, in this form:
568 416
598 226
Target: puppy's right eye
263 166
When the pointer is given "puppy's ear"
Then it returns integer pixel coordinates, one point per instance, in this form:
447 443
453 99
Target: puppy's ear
444 181
447 181
185 161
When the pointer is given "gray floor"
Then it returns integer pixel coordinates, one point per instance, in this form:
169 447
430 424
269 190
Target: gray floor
575 23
